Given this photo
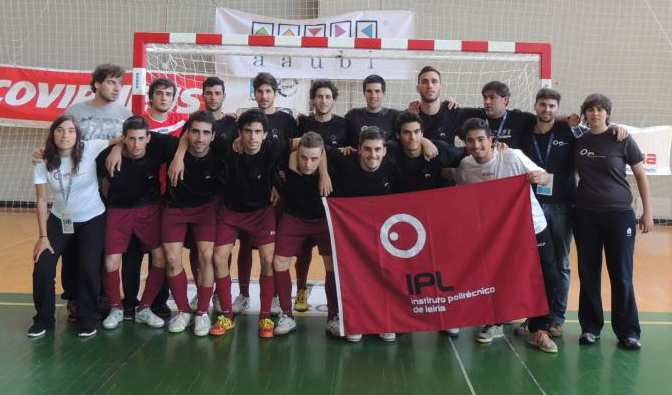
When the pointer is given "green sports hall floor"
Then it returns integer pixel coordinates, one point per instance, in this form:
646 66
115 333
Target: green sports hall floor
138 359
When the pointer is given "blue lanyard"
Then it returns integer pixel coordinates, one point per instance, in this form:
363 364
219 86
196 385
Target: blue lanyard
501 124
543 160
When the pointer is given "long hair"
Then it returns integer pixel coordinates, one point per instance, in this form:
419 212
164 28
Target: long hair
51 155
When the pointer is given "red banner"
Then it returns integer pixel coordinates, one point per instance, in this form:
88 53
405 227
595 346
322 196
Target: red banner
439 259
41 95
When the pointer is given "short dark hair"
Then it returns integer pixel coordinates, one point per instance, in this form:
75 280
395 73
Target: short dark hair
198 116
134 122
311 140
213 81
373 79
103 71
474 124
547 93
264 78
500 88
370 133
318 84
161 83
250 116
597 100
427 69
406 117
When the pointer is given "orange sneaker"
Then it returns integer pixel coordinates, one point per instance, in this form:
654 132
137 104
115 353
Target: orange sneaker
222 325
266 326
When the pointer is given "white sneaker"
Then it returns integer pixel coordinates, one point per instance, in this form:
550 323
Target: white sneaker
489 332
388 337
216 307
333 327
285 325
240 304
147 316
179 322
275 306
201 324
113 319
354 338
453 332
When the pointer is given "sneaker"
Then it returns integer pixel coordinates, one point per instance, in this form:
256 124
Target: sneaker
240 304
285 325
162 311
301 301
542 341
73 310
488 333
129 313
555 330
356 338
333 327
179 322
453 332
388 337
37 330
222 325
147 316
522 330
275 306
588 339
113 319
216 307
87 332
266 328
201 324
631 343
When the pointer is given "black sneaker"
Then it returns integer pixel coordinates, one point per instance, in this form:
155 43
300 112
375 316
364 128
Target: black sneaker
588 339
86 331
631 343
162 311
37 330
72 311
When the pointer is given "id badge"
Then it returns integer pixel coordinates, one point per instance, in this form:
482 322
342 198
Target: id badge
546 189
67 225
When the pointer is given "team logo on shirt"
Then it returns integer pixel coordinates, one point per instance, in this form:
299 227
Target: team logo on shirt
387 236
559 143
628 232
275 134
588 153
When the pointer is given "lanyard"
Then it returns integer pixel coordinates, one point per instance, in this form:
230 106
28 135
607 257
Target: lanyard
543 159
64 194
501 124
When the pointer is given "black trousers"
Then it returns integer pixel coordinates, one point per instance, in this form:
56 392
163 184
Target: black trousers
613 232
87 246
551 278
130 276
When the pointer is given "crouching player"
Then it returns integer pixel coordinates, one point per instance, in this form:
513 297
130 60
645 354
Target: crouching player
303 221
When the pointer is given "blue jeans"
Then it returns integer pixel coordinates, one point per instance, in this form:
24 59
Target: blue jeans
559 218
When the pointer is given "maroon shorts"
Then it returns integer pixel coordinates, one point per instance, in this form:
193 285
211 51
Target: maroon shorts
258 224
199 220
143 222
295 233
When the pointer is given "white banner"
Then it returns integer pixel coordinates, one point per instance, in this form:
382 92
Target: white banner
655 143
361 24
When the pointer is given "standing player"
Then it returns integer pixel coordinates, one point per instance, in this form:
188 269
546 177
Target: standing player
133 201
161 120
489 163
303 223
440 122
374 114
246 208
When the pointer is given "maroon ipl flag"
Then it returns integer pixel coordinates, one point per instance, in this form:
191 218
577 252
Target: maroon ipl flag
438 259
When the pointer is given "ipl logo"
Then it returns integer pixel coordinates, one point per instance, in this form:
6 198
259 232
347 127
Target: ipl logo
386 237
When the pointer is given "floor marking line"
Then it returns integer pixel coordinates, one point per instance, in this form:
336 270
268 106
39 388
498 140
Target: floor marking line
529 372
464 371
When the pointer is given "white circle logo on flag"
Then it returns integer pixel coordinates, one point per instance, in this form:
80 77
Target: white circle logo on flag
386 237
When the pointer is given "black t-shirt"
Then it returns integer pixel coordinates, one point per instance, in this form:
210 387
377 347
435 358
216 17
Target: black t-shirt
281 126
226 129
417 174
443 125
351 180
357 118
334 132
137 183
202 177
302 195
250 178
600 161
556 158
516 124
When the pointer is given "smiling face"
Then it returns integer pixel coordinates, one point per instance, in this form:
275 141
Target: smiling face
479 145
265 96
371 154
429 86
323 101
373 94
546 109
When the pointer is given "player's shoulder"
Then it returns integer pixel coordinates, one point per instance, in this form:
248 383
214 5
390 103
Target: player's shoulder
354 112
